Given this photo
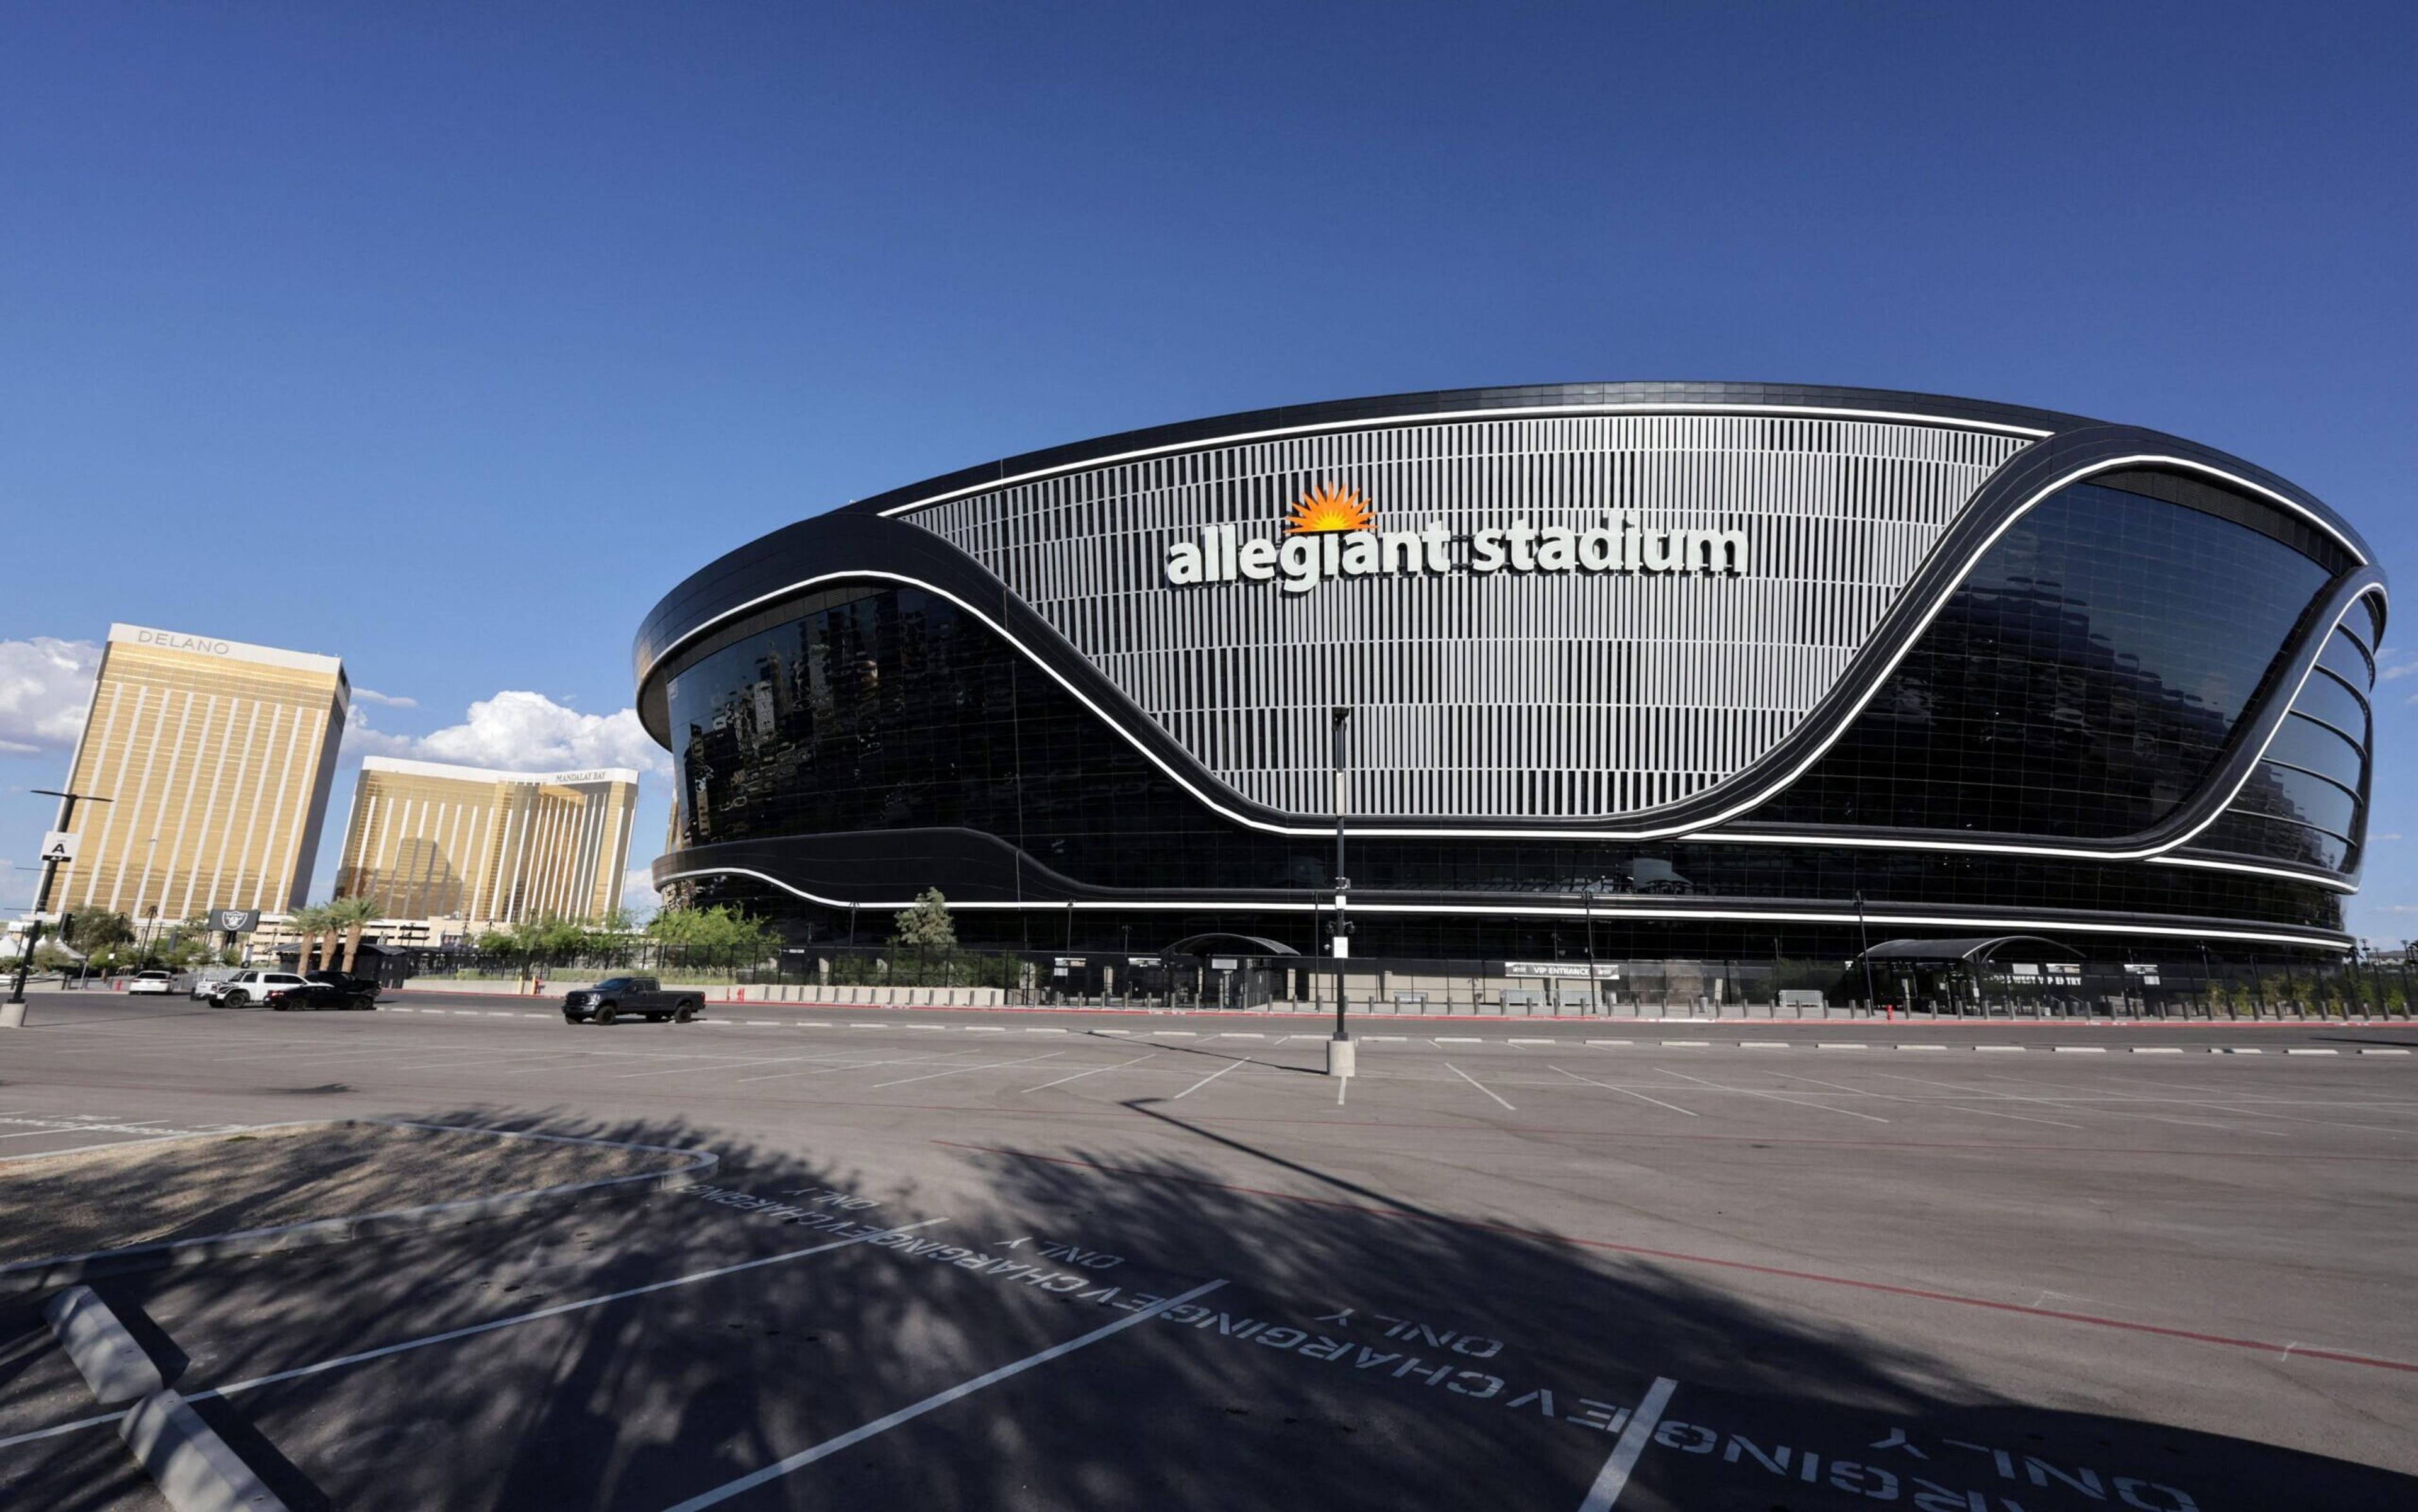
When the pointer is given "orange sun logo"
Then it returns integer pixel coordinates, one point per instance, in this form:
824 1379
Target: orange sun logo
1328 507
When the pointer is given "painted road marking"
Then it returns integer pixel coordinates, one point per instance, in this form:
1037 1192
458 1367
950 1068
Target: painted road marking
489 1327
1479 1085
884 1423
729 1063
1609 1043
1613 1477
2015 1050
2313 1052
1922 1047
2079 1049
1639 1095
1777 1097
854 1065
1533 1042
2157 1050
1692 1044
1939 1103
1458 1039
1094 1071
2373 1051
1207 1079
1045 1032
1763 1045
959 1071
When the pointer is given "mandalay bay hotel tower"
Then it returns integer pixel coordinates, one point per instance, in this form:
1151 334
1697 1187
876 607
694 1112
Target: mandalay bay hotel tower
216 758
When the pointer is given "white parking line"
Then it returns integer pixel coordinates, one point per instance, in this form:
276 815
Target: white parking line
884 1423
1939 1103
1613 1477
1776 1097
729 1063
856 1065
1207 1079
475 1329
1639 1095
1094 1071
958 1070
1479 1085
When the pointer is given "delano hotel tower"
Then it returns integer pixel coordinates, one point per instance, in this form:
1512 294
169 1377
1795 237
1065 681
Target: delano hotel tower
431 841
216 757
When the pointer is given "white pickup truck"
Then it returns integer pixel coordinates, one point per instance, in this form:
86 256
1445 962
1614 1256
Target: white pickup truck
245 988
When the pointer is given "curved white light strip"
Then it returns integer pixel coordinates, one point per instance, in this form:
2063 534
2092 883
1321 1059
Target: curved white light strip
1517 412
1764 791
1608 911
2212 863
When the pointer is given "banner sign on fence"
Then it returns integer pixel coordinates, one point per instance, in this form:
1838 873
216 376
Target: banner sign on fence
1575 970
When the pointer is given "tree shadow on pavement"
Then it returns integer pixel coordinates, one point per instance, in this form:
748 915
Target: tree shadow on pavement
1361 1351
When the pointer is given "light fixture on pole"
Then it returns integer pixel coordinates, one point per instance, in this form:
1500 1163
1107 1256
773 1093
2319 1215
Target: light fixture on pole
1872 994
58 846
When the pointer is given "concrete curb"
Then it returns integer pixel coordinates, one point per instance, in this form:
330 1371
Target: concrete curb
113 1365
193 1466
64 1270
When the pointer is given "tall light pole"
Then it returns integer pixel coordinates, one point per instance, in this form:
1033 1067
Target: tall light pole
1871 995
15 1015
1341 1051
1595 987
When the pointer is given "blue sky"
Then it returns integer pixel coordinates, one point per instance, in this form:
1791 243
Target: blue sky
447 338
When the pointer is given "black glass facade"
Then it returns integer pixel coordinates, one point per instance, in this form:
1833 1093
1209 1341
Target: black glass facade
890 708
2110 722
2080 684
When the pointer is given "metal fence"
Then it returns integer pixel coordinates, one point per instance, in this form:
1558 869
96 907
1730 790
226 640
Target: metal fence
2244 989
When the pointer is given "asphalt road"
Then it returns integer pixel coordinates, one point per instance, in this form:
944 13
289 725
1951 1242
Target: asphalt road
1053 1261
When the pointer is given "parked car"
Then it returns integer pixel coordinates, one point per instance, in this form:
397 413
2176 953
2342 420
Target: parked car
207 984
313 994
618 996
160 983
245 988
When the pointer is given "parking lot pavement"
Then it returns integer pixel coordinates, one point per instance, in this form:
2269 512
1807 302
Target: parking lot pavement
2046 1281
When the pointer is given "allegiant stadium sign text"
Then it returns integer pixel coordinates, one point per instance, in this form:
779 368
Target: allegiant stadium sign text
1303 560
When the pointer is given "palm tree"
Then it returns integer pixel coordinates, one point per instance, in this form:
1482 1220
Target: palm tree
351 915
309 923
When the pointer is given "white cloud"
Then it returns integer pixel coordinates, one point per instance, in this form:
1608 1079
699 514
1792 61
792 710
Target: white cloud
639 894
45 686
2392 835
524 732
2397 908
391 700
2396 663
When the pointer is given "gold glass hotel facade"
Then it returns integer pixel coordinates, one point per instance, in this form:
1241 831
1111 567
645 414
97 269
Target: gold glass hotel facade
431 841
216 758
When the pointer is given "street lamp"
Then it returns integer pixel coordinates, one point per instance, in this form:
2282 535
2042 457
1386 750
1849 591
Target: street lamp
1341 1051
1872 994
1595 986
14 1016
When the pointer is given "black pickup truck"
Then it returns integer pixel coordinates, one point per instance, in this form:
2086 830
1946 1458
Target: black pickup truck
618 997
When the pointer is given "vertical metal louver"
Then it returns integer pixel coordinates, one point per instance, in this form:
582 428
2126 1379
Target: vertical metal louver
1508 696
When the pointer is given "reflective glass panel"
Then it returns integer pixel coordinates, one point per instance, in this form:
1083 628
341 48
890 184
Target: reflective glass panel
2081 682
2323 698
2247 834
2317 748
2343 657
2287 792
